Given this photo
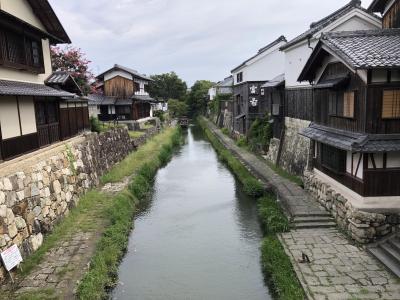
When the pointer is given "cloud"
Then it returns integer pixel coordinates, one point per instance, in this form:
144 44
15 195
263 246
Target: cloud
197 39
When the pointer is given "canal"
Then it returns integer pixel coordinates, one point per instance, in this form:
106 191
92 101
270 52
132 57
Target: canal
198 237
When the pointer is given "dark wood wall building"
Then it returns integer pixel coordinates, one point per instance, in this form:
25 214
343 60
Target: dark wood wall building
356 115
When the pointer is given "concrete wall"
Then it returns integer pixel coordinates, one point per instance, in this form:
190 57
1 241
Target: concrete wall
38 190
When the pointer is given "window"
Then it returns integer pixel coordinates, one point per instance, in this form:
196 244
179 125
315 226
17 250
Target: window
239 77
395 76
391 104
342 104
21 51
333 159
348 105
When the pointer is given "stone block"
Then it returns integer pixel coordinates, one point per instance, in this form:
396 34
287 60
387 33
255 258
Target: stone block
20 223
12 230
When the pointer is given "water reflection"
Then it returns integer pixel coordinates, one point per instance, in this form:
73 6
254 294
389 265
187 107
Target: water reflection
199 238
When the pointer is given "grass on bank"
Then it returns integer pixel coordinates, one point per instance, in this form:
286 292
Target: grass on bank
277 268
132 163
136 134
103 271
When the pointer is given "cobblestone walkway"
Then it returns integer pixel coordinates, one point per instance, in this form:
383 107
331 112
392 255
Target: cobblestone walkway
295 200
62 267
338 270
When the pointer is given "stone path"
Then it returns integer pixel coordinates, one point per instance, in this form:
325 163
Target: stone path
295 200
61 268
338 269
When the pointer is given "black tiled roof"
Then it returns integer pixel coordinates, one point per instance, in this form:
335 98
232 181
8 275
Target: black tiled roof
321 24
350 141
277 81
133 72
378 6
15 88
262 50
143 98
59 77
366 49
101 99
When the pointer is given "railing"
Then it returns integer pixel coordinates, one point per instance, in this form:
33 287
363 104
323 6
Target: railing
48 134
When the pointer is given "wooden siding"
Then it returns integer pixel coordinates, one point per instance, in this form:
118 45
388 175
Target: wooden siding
299 103
119 87
322 113
392 17
382 182
14 147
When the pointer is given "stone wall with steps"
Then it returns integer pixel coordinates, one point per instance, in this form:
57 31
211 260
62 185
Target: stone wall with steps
32 201
363 227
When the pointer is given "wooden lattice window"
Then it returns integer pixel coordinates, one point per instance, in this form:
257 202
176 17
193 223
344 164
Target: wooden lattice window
333 159
348 104
391 104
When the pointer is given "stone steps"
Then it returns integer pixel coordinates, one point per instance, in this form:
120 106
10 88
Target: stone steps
388 253
313 221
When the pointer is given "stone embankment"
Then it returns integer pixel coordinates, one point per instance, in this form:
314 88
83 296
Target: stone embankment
36 192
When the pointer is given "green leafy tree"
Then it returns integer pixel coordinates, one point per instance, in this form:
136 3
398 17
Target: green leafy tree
167 86
197 99
177 108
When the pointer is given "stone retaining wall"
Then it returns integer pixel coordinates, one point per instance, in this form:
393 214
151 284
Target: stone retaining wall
363 227
295 148
34 200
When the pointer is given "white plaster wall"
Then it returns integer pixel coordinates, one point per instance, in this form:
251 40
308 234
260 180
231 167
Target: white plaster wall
22 10
297 56
27 113
264 67
212 93
9 120
116 73
353 163
142 84
24 76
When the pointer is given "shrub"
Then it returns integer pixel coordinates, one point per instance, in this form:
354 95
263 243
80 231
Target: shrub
253 187
95 125
241 142
271 216
159 114
259 135
140 187
225 131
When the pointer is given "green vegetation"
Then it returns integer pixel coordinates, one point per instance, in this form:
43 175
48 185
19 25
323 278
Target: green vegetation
132 163
167 86
225 131
242 142
95 125
71 158
160 114
103 270
177 108
136 134
259 135
277 268
48 294
197 99
295 179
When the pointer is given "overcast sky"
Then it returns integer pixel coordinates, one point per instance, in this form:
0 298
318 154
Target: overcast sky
198 39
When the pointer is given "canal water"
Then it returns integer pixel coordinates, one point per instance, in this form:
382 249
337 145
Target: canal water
198 238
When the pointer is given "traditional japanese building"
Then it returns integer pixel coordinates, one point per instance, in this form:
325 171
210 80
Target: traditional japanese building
35 108
356 127
248 78
122 96
298 100
224 91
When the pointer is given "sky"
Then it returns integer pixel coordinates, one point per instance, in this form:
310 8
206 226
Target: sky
198 39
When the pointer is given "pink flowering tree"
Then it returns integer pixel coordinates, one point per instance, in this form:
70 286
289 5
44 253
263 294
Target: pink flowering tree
74 61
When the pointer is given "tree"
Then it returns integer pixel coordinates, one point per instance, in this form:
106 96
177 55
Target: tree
167 86
198 97
177 108
74 61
